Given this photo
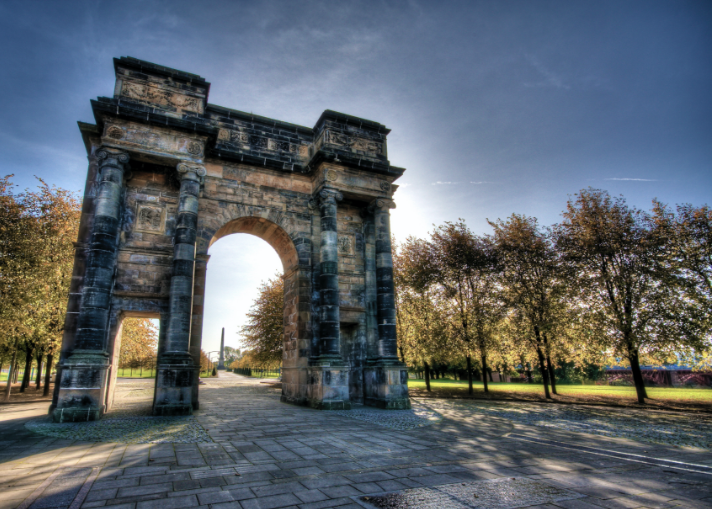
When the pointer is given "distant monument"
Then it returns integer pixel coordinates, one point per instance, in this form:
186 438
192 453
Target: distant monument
221 362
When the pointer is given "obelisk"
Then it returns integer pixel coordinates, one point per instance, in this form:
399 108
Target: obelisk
221 362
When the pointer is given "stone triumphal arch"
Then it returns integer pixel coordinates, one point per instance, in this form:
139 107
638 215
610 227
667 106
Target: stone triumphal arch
169 174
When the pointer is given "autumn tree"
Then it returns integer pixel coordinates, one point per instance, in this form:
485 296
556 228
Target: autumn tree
686 264
231 355
467 267
615 253
37 232
421 320
533 283
139 342
263 334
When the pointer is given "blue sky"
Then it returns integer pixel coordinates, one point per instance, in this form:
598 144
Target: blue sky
496 107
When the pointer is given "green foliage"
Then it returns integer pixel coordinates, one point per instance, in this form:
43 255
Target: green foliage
263 334
139 341
609 285
37 234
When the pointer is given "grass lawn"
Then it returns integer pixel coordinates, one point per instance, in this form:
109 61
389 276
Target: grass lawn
512 389
136 373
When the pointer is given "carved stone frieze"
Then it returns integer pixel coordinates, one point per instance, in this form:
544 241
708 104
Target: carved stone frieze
160 96
153 140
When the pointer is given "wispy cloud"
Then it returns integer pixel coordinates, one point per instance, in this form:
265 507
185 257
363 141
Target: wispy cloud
636 180
441 183
551 79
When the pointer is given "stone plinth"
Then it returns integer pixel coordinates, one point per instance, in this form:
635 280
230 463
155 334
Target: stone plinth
387 385
328 387
174 385
82 383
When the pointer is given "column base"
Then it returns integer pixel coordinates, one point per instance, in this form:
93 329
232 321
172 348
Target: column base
328 384
82 387
175 378
386 384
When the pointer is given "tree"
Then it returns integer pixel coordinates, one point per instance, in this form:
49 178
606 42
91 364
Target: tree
687 236
533 283
264 332
139 342
467 267
421 319
616 253
231 355
37 232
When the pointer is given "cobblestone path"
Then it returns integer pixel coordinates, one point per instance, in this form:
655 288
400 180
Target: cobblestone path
264 454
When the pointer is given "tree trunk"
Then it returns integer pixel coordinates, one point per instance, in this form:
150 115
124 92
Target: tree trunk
489 373
469 375
637 374
552 378
11 374
483 360
48 374
528 371
427 376
38 381
544 372
27 374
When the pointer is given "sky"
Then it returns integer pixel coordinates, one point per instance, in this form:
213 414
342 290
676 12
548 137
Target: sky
496 107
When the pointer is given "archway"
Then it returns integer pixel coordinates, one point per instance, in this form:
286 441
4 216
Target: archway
169 174
295 277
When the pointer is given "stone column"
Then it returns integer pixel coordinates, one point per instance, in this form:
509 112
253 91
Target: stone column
221 361
177 372
328 373
329 276
387 378
385 297
84 372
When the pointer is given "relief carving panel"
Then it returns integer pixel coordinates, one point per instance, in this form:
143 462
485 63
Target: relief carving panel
150 218
159 96
154 140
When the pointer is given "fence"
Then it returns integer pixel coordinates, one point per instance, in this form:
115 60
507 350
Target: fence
140 372
258 372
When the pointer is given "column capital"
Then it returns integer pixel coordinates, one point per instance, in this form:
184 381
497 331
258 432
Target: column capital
191 171
383 204
112 157
329 197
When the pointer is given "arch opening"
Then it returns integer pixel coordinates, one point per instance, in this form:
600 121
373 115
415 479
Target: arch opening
270 232
295 323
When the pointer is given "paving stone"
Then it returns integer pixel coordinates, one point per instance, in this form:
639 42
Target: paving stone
271 502
340 491
325 482
307 471
310 496
145 490
169 503
451 453
215 497
277 489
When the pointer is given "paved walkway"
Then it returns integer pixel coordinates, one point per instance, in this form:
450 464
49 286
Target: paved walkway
264 454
